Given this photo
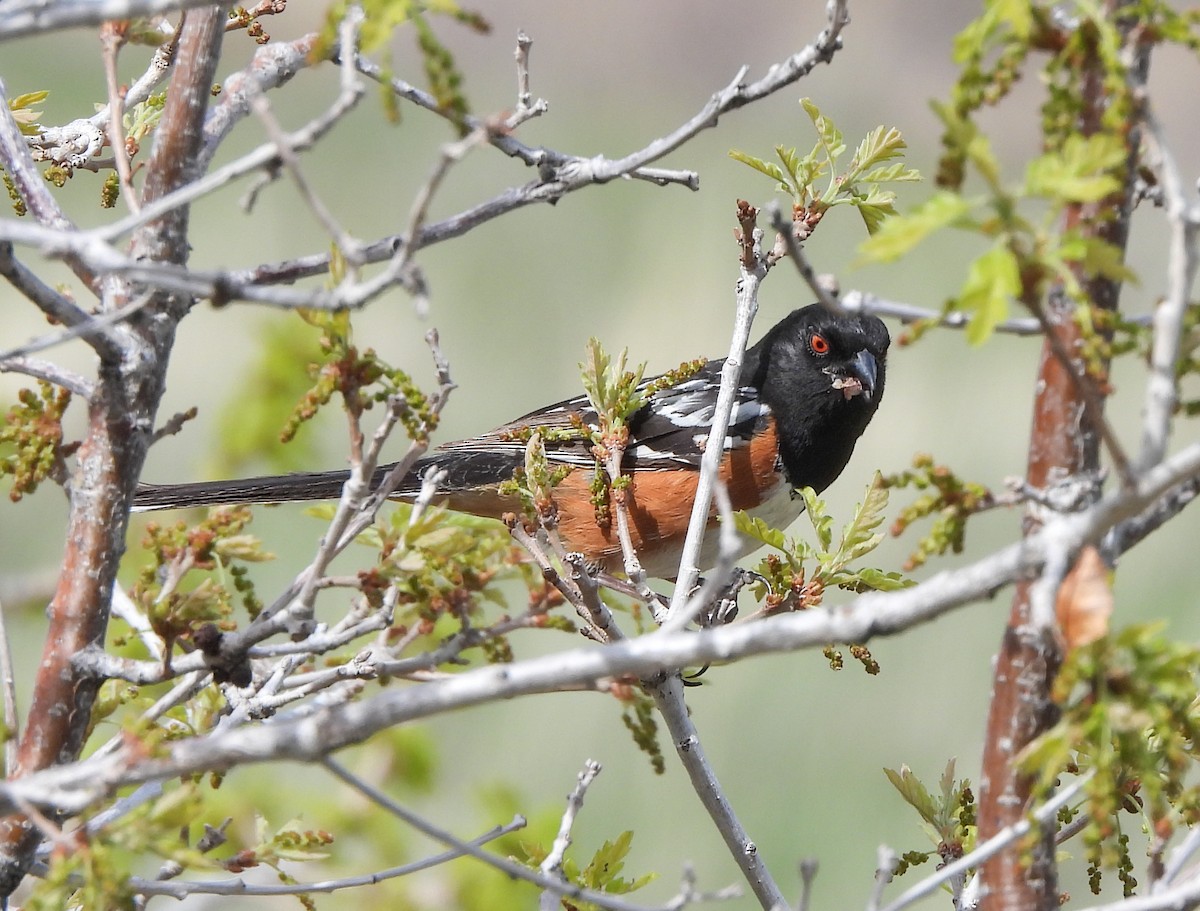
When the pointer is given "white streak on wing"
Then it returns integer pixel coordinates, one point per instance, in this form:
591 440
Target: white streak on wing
693 404
731 442
648 454
745 412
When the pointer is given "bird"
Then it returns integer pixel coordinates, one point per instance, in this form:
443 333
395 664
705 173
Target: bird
807 391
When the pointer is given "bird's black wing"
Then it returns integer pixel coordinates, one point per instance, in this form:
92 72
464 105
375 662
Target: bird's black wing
670 431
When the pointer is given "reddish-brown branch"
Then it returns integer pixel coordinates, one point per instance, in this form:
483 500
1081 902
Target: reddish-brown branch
1065 442
120 425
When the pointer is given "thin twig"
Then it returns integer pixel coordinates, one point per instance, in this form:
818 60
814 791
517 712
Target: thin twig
124 609
351 91
668 697
785 230
885 867
619 499
1179 859
56 306
93 328
347 245
728 549
511 868
401 268
808 874
25 17
526 108
295 56
359 502
991 847
12 719
560 174
50 372
1161 385
112 37
710 463
553 863
590 607
180 889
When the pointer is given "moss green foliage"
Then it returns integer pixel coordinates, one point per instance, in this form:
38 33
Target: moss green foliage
791 583
534 483
1131 720
860 184
14 196
247 19
31 438
381 18
110 191
28 122
93 871
796 575
601 874
947 498
1027 251
617 393
442 566
360 378
1025 254
196 575
638 717
947 815
612 389
22 106
141 120
249 425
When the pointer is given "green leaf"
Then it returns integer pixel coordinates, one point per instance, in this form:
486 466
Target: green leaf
1082 170
947 782
880 145
902 233
765 167
608 861
28 98
859 537
914 792
759 530
892 173
791 162
880 581
822 522
602 873
1096 255
611 388
830 136
992 279
876 207
1000 17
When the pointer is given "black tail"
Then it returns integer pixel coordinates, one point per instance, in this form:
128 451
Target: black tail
463 471
313 485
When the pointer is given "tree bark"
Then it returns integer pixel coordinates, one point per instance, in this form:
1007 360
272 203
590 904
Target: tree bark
120 427
1065 443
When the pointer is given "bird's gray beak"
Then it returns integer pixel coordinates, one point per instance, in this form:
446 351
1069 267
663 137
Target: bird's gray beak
866 370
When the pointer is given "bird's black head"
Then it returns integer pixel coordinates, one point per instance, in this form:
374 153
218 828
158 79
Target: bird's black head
823 376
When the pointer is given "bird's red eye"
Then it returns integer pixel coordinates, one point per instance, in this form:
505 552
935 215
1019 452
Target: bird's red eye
819 344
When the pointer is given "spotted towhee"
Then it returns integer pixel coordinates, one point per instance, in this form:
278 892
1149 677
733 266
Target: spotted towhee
808 390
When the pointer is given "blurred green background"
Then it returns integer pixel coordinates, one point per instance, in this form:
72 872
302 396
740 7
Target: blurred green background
798 747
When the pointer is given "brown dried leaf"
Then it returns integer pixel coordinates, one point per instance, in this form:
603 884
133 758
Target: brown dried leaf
1085 600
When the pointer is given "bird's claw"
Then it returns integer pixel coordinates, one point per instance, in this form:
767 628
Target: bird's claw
724 607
